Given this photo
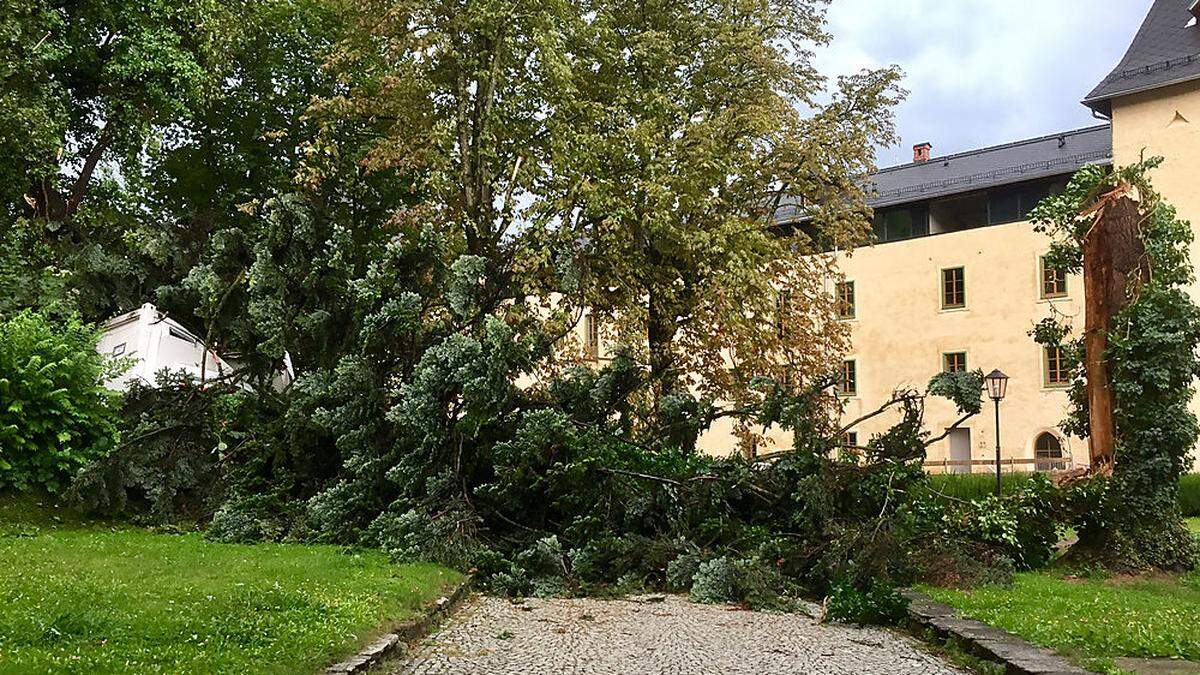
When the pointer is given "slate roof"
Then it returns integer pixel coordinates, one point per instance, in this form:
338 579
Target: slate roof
1165 51
1030 159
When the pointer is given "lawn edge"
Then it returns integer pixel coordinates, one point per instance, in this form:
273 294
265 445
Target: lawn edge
390 643
1017 655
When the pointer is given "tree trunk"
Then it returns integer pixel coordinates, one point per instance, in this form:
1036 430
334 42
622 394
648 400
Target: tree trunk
660 332
1113 259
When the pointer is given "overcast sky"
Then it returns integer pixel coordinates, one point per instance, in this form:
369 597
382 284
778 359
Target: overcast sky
982 72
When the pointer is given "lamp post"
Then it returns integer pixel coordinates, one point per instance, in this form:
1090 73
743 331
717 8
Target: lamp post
997 384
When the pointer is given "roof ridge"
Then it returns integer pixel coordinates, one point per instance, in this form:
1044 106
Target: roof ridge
992 148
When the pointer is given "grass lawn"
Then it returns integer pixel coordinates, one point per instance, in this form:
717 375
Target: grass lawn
86 597
1093 618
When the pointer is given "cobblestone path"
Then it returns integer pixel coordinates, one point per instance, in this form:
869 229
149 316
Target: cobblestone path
657 635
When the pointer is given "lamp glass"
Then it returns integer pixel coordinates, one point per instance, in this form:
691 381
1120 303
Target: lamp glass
997 384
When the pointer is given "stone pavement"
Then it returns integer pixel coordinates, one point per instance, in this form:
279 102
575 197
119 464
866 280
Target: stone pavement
658 635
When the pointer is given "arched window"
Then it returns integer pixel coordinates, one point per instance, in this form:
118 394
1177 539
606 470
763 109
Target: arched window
1048 450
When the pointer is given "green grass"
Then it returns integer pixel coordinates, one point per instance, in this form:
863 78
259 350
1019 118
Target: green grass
1092 618
1194 525
78 596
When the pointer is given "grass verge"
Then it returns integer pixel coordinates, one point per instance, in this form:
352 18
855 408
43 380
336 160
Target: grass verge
1092 618
77 596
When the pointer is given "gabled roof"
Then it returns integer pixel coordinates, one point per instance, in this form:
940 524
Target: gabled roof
1165 51
1053 155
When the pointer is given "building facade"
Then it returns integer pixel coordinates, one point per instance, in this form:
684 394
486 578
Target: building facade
956 278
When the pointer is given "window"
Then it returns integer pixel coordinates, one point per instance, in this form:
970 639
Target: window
954 290
849 451
903 222
119 350
1048 453
957 213
954 362
1056 367
1054 281
591 337
845 300
848 386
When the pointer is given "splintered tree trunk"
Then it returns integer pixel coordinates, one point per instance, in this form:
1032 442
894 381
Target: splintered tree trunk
1113 260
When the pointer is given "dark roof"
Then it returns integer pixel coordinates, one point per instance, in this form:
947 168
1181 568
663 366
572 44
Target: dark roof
1040 157
1166 50
1030 159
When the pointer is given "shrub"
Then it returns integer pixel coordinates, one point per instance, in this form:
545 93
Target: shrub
971 486
176 439
748 581
55 414
1189 495
247 520
881 603
415 536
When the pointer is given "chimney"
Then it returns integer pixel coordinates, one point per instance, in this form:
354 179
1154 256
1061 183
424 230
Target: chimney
921 152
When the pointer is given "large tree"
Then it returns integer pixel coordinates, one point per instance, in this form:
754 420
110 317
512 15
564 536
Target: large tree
632 157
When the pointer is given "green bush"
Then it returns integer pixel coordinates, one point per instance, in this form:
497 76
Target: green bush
1189 495
972 486
881 603
55 414
178 440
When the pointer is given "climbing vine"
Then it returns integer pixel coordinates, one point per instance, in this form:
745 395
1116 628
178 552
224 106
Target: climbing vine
1127 517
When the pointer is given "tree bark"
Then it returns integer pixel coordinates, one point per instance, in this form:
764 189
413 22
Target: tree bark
1114 258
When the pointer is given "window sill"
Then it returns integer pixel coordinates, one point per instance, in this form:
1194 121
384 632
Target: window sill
953 310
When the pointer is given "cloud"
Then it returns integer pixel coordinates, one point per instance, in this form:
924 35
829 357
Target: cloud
982 72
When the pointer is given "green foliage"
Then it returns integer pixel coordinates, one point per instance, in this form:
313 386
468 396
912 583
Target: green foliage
1132 520
967 543
1189 495
55 414
972 486
880 603
960 387
177 440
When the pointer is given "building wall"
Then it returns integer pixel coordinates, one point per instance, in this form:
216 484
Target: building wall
901 332
1166 122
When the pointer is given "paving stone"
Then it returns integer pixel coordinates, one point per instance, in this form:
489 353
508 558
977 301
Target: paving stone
659 635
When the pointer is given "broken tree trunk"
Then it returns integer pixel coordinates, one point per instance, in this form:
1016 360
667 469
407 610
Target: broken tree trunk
1114 266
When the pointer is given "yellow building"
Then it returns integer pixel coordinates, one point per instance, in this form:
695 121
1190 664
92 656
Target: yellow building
956 279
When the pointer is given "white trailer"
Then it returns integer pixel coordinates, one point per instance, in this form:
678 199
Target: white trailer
155 342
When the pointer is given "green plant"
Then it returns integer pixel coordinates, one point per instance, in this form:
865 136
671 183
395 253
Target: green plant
55 414
1189 495
880 603
88 596
1131 519
971 486
178 440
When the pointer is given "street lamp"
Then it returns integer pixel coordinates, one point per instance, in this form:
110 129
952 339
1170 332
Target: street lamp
996 383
